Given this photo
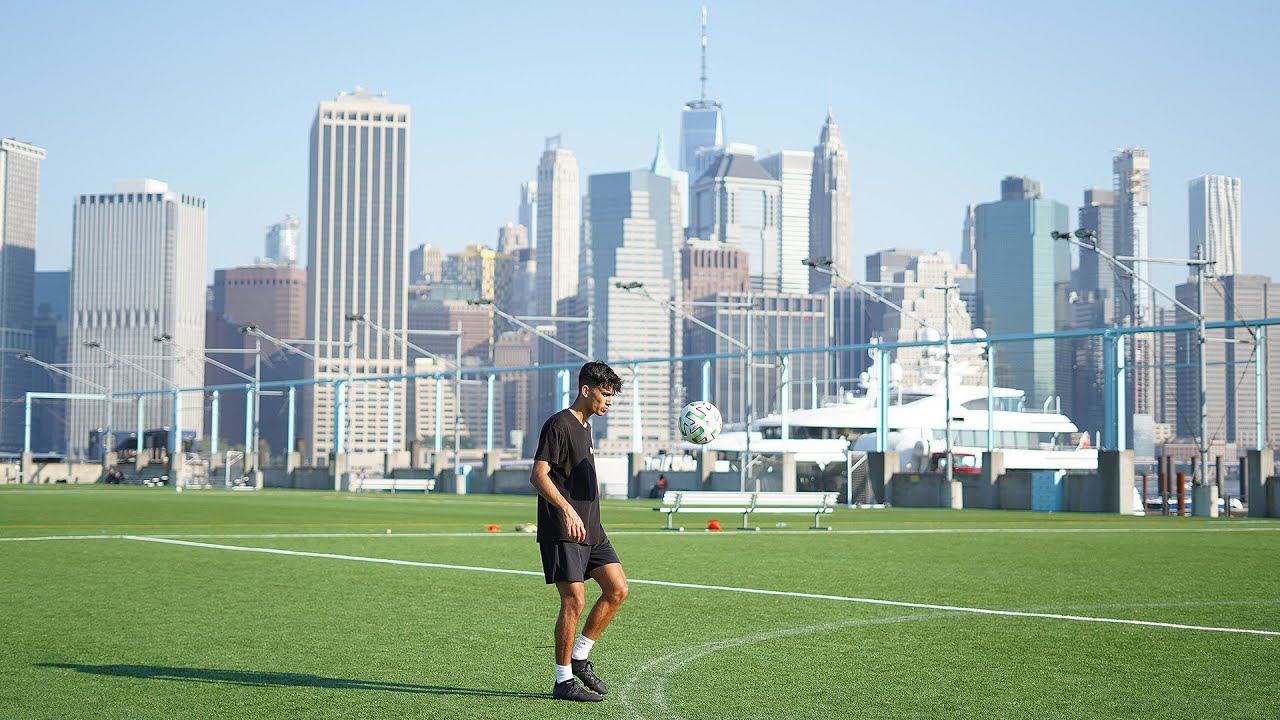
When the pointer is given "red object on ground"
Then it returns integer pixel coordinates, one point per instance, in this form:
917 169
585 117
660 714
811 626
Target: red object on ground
713 525
492 528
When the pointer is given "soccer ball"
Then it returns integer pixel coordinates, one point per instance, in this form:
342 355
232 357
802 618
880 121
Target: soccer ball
700 422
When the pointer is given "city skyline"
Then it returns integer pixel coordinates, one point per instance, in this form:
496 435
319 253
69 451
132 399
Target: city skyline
94 137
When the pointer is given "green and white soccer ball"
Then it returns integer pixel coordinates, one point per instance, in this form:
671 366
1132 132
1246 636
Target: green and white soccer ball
700 422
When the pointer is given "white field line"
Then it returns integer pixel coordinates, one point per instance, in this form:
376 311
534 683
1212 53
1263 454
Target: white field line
666 533
727 588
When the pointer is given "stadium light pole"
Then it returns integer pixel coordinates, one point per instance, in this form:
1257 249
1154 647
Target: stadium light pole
1087 239
747 375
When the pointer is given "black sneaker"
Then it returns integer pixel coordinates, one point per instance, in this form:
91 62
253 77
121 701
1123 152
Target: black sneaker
571 690
585 671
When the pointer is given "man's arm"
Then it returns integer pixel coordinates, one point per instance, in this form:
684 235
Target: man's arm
541 481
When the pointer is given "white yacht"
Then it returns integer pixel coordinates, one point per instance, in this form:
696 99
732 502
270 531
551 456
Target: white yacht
1030 438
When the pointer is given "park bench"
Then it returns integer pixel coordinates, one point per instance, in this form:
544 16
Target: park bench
423 485
747 503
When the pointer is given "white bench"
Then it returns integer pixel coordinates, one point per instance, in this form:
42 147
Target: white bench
818 503
423 485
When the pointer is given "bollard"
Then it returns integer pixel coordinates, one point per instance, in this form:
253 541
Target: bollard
1182 493
1144 491
1217 472
1168 482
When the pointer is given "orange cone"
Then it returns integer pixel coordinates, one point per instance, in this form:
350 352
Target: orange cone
492 528
713 525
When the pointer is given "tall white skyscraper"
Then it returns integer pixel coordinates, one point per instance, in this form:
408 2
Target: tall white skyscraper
1213 206
137 271
1132 177
358 219
1132 184
19 194
282 241
830 206
794 170
559 227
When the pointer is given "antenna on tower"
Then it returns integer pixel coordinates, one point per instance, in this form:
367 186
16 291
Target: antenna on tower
704 53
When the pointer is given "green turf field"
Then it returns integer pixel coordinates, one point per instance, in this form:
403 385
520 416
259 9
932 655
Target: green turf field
110 627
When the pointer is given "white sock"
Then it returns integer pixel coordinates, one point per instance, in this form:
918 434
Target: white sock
564 672
582 648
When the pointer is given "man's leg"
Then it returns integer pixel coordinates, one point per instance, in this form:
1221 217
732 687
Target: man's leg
613 590
572 602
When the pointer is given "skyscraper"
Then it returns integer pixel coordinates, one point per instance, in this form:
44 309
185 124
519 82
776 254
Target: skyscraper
1214 209
1132 179
737 202
629 225
527 213
559 216
282 241
1095 281
138 271
794 172
701 121
968 237
1022 272
830 206
19 195
356 232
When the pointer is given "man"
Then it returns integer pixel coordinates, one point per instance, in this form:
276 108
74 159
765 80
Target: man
573 544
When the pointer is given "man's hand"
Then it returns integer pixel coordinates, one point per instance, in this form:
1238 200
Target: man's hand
573 525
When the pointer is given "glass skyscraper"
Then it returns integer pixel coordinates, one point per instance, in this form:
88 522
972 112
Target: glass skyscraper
1021 271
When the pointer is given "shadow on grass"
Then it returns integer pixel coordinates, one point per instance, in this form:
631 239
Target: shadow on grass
253 678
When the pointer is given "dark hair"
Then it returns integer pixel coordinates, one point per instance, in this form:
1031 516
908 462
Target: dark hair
599 374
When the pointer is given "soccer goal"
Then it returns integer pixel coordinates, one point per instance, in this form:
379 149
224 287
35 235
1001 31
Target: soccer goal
233 470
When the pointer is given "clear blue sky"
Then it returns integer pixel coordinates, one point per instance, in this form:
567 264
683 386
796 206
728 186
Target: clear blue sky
936 100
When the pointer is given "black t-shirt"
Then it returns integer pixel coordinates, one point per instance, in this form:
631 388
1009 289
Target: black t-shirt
565 444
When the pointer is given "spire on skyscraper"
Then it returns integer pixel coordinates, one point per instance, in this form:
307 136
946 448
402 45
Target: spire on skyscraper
660 165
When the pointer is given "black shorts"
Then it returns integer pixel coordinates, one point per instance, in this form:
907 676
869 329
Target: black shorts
571 562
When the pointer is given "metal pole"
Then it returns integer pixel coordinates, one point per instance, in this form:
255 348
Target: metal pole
289 438
831 336
882 417
946 371
488 430
109 441
457 409
562 379
249 398
175 443
706 379
786 400
26 424
257 400
1260 386
991 397
137 441
1109 391
747 394
215 409
1122 431
591 332
636 445
1201 376
439 429
391 417
339 407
